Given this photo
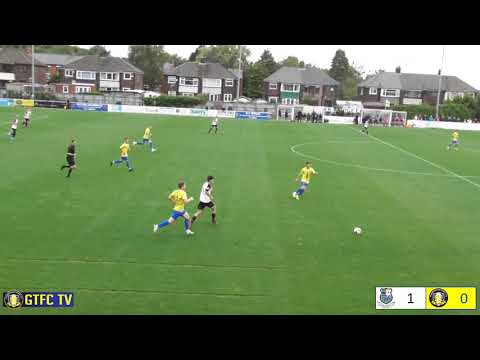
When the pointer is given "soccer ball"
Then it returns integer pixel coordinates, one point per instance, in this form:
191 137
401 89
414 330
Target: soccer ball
357 230
134 143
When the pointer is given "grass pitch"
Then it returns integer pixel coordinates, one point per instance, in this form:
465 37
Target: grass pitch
269 253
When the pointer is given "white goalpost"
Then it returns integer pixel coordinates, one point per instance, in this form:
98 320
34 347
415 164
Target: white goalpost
290 112
379 117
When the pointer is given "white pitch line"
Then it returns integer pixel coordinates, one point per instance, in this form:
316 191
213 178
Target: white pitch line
425 160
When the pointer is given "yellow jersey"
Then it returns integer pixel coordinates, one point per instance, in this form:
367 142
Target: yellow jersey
455 136
179 197
124 149
147 134
306 173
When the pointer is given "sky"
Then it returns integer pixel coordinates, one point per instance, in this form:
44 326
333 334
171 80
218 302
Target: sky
460 60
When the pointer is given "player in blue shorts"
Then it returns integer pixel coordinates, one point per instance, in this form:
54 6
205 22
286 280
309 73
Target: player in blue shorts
147 139
305 175
124 148
179 199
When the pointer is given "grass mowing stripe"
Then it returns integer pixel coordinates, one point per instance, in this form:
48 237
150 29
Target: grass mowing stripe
425 160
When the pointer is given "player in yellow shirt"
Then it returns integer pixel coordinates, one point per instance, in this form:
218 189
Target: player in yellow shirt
179 199
147 139
305 175
455 142
124 148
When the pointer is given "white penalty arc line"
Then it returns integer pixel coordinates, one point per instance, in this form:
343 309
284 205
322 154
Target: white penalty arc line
405 172
425 160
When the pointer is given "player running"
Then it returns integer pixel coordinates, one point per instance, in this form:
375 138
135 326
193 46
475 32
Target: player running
26 118
365 126
147 139
124 148
455 142
179 199
206 198
305 175
214 125
13 128
71 155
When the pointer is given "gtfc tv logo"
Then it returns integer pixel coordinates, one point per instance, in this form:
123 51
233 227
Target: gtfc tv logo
17 299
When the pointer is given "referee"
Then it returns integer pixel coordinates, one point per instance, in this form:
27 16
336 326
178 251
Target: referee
71 154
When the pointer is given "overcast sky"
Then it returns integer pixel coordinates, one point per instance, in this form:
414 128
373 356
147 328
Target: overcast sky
460 60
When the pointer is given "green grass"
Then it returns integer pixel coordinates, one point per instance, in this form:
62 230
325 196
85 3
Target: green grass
269 254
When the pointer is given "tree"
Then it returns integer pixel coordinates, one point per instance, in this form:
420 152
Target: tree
175 59
193 55
149 58
348 76
255 74
340 68
292 61
227 55
98 50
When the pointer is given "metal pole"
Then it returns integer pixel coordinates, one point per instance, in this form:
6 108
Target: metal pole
439 84
239 72
33 71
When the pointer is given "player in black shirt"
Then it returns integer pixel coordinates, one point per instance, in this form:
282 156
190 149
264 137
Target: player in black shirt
71 154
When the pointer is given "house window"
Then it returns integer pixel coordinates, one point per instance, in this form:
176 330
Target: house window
189 81
65 89
413 94
272 99
82 89
227 97
188 94
172 79
86 75
390 92
272 86
291 87
109 76
288 101
229 82
172 93
69 72
372 91
361 91
212 83
127 76
109 89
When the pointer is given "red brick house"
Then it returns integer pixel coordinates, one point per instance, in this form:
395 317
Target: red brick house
290 85
16 66
95 73
192 78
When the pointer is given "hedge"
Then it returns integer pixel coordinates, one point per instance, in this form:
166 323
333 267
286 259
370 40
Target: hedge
176 101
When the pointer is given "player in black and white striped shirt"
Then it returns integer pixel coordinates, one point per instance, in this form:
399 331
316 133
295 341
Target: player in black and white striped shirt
206 200
214 125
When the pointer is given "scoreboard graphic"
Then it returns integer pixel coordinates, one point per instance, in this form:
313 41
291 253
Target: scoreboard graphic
430 298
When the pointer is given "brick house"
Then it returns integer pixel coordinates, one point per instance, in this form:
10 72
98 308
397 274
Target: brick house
95 73
410 89
191 78
16 66
291 85
55 62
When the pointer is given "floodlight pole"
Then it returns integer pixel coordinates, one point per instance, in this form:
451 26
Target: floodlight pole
33 72
239 72
439 85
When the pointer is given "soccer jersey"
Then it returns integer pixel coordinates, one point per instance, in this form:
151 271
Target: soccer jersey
215 122
455 136
124 149
27 115
366 123
15 124
179 198
71 150
306 173
148 134
205 192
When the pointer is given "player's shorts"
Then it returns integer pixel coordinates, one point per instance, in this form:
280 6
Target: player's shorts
13 132
455 142
146 141
176 214
202 205
304 184
70 160
124 158
214 126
